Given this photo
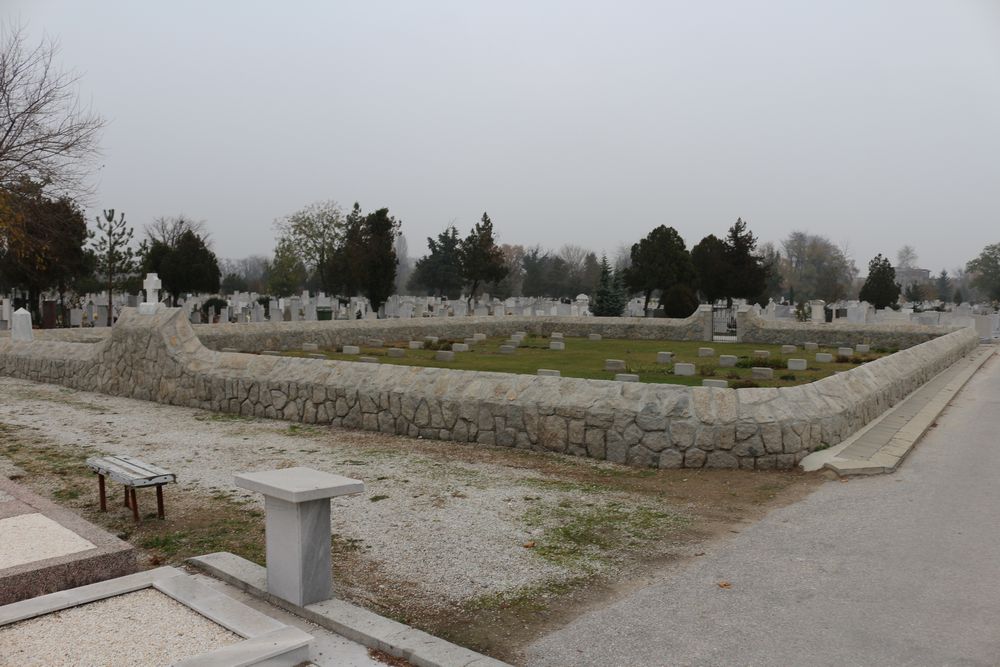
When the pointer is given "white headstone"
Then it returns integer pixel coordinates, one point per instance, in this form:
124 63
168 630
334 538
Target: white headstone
20 329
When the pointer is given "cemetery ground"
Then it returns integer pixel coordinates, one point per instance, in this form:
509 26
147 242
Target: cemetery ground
583 358
485 546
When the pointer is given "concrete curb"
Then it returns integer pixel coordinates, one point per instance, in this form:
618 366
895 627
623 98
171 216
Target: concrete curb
889 456
351 621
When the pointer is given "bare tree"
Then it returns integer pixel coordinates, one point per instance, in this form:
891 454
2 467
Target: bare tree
46 134
168 230
314 234
906 257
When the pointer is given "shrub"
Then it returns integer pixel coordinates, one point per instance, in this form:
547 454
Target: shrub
744 384
679 301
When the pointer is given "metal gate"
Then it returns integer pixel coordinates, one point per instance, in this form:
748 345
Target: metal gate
724 324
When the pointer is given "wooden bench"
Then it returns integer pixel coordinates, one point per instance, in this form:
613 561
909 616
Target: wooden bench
133 474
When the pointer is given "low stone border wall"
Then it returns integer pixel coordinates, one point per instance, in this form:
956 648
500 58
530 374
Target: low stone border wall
751 328
160 358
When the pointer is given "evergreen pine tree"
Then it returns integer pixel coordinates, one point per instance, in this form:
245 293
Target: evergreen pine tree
610 298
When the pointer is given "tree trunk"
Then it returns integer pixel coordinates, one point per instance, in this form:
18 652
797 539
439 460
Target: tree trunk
111 295
645 305
472 295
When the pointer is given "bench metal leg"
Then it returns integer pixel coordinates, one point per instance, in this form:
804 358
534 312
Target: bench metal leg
102 492
125 488
135 506
159 501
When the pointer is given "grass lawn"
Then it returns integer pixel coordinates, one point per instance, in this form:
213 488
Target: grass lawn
584 358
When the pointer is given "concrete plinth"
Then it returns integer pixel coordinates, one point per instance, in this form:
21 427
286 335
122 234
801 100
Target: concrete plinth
297 525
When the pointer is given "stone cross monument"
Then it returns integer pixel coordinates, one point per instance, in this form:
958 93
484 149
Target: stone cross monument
152 286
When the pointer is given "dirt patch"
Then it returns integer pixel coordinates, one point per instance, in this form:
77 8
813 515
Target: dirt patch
485 546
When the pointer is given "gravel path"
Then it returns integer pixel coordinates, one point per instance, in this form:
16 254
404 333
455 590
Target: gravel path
123 630
426 518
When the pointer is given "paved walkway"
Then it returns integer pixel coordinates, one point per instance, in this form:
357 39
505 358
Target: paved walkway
882 445
899 569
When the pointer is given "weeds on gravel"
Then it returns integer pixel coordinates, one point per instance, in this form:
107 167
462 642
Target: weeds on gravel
589 536
222 417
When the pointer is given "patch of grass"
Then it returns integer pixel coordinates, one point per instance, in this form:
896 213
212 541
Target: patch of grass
221 417
301 429
584 358
527 598
561 485
587 536
66 493
166 543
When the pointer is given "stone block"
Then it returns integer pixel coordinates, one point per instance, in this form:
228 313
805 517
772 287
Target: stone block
479 336
555 335
706 352
309 347
797 364
664 357
614 365
548 372
593 336
351 349
375 342
507 349
788 349
444 355
727 360
759 373
810 347
761 354
684 369
521 334
718 384
416 344
470 341
626 377
824 357
395 352
431 339
845 352
861 348
512 342
459 347
557 345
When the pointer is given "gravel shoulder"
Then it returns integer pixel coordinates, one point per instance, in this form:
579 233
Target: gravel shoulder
485 546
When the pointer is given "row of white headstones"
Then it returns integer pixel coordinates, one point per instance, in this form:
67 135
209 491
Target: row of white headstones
20 326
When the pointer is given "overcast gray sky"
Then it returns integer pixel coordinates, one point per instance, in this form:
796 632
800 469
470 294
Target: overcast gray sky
872 122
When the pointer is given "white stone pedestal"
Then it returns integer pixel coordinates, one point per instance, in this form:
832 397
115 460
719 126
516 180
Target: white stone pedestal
818 311
297 524
20 329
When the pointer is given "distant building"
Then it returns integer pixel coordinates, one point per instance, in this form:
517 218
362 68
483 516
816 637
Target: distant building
913 276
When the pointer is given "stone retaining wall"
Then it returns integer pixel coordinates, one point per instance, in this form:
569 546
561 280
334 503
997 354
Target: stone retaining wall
751 328
159 358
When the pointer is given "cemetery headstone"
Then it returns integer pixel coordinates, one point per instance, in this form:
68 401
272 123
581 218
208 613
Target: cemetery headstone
20 330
